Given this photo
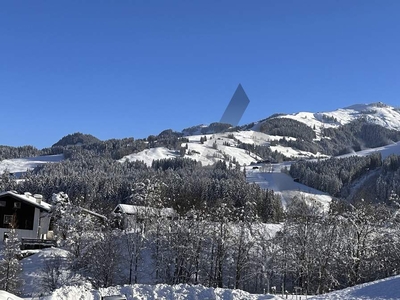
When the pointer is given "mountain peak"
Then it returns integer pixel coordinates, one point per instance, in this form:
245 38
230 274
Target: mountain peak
76 138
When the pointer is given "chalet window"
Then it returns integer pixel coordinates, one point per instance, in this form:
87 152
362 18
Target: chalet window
7 219
17 204
2 203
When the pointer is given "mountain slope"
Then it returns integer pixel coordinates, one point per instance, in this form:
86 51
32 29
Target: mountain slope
21 165
375 113
388 288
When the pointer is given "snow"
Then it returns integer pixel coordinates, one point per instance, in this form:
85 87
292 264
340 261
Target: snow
385 289
385 151
21 165
159 291
147 156
388 288
144 210
295 153
257 138
376 113
27 197
284 185
32 267
281 183
7 296
206 153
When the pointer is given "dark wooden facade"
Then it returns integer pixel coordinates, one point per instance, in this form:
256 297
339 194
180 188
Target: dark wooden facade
15 211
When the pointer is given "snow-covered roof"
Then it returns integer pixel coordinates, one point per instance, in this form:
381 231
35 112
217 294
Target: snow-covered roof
144 210
29 199
94 213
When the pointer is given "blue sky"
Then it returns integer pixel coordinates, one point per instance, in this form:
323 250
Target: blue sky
119 69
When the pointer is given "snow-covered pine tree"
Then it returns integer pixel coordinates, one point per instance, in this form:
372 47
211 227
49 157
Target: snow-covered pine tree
10 267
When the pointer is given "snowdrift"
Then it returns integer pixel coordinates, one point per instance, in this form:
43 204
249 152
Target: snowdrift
388 288
159 292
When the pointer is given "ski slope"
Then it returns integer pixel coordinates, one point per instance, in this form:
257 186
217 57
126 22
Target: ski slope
21 165
385 151
284 185
281 183
211 151
220 146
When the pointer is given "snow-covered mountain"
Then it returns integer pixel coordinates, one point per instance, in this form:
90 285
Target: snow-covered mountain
217 142
375 113
216 147
209 148
226 141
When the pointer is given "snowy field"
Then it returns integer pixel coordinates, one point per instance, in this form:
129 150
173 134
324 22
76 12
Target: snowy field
21 165
208 154
385 151
205 153
385 289
157 292
284 185
388 288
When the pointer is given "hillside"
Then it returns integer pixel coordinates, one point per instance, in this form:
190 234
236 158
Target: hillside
280 139
385 289
76 139
240 220
375 113
17 166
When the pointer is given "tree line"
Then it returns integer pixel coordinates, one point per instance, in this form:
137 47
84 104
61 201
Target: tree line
313 251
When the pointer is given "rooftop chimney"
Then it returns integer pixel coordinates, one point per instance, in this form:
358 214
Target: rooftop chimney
38 198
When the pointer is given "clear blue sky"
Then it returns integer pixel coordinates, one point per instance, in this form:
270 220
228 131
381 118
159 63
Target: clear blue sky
119 69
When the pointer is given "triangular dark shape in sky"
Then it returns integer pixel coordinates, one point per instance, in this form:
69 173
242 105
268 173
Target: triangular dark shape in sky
236 107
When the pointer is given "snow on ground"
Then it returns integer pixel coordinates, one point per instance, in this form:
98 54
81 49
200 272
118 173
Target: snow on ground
148 155
385 289
377 113
157 292
33 265
7 296
385 151
208 154
256 137
205 153
285 186
21 165
388 288
295 153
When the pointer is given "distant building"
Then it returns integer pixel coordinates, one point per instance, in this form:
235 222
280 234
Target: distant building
133 214
27 213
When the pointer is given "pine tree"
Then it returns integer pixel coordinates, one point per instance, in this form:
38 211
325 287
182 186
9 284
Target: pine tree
10 267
